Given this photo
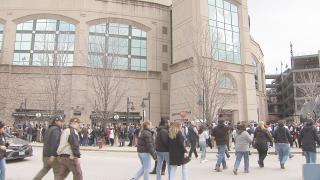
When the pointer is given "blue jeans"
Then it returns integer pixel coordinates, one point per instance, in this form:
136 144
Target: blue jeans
145 160
203 148
2 169
221 155
162 156
173 169
283 151
311 157
239 155
29 137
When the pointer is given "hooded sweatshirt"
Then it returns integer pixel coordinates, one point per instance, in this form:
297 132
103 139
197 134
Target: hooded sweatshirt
242 140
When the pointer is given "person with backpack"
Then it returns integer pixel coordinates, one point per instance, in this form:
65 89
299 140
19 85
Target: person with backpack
283 139
162 148
242 143
262 137
308 142
193 138
221 136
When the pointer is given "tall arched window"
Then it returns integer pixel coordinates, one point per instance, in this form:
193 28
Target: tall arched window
224 30
256 72
43 42
119 46
227 83
1 37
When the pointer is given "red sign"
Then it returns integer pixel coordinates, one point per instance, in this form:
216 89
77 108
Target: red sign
183 114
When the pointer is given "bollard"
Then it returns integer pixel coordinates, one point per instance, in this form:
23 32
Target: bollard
100 143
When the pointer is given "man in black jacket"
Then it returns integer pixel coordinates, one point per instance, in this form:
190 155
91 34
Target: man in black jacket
50 145
193 138
221 136
308 139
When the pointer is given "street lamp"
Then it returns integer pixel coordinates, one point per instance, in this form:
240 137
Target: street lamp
201 101
143 105
129 106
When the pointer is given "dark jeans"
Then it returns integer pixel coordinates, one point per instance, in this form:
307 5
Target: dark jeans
262 155
55 165
68 165
193 149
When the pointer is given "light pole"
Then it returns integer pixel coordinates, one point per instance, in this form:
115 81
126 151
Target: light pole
143 105
129 103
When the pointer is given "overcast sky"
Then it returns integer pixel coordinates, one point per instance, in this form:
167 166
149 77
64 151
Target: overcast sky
274 23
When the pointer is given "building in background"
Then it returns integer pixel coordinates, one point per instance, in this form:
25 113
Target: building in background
50 48
293 94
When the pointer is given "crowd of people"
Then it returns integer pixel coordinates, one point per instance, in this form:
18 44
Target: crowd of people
170 144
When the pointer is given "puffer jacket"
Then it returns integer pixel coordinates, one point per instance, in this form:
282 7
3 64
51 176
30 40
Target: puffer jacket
162 140
308 139
146 143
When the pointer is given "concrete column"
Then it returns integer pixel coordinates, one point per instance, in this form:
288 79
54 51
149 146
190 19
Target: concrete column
8 42
81 44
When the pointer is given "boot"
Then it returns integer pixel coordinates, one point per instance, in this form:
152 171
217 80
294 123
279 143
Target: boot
282 166
217 169
154 168
235 172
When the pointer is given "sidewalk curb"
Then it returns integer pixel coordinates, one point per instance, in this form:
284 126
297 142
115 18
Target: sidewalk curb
134 151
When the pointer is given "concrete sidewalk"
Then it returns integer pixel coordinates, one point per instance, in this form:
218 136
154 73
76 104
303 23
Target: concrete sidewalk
134 149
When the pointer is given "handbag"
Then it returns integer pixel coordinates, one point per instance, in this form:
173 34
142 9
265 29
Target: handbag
186 160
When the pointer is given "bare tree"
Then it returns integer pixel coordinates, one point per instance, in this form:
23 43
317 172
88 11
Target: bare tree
206 83
108 87
54 60
309 88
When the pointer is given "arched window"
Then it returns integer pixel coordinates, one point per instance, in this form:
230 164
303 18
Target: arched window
43 42
256 72
119 46
224 30
1 37
227 83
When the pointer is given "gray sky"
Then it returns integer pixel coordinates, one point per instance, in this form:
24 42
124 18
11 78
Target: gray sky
274 23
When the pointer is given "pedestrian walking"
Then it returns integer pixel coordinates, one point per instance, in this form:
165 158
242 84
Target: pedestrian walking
162 148
3 147
203 137
193 138
69 151
262 137
50 145
146 150
242 146
283 139
221 135
308 139
178 154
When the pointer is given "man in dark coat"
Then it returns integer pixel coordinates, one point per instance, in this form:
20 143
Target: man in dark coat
221 136
308 140
50 145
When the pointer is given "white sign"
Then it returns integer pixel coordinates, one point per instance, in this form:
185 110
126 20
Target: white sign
38 115
116 117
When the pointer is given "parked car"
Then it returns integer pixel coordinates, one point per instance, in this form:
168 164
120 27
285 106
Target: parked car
18 148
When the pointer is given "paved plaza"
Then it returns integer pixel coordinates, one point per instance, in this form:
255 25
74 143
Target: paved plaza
102 165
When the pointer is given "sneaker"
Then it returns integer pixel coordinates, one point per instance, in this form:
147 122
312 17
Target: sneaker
203 161
218 169
235 172
225 167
